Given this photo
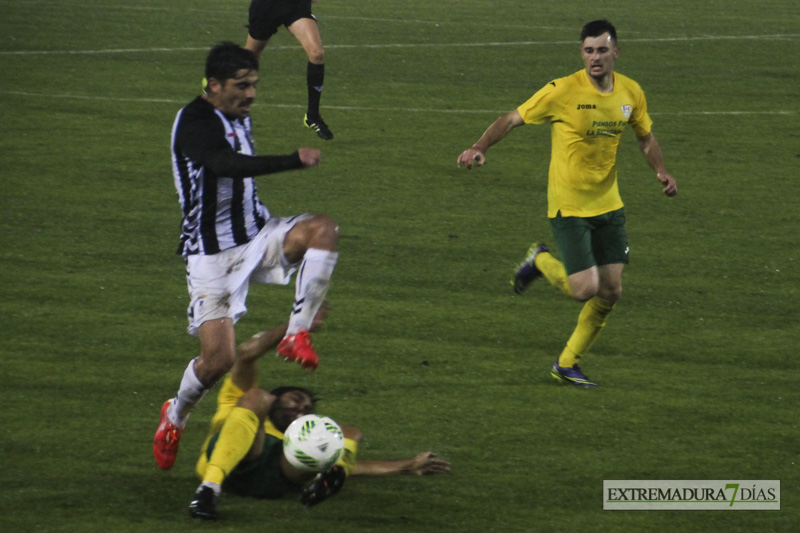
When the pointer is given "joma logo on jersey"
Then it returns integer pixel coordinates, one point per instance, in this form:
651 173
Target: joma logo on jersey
586 106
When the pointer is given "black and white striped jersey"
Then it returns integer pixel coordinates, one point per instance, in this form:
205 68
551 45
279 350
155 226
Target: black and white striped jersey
213 162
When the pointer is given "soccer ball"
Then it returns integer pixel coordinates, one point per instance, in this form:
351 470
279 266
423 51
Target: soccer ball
312 443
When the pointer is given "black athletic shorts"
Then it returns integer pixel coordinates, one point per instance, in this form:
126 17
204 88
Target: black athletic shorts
266 16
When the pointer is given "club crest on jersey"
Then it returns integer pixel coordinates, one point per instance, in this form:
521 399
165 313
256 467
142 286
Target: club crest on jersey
626 110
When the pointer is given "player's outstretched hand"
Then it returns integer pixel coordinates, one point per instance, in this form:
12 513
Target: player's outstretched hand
429 463
670 186
309 157
471 157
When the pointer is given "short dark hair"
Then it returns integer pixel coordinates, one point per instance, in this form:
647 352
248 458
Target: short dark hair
280 391
226 59
597 28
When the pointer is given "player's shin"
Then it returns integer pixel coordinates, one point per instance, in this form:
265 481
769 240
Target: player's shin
313 280
191 391
235 440
590 323
554 271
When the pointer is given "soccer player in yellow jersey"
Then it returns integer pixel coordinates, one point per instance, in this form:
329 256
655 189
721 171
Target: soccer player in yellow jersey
243 451
588 112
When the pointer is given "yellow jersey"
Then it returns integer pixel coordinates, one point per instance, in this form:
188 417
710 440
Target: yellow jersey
586 128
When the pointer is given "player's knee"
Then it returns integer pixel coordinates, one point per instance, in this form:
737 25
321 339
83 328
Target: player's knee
213 364
584 285
316 55
325 228
583 292
610 293
257 400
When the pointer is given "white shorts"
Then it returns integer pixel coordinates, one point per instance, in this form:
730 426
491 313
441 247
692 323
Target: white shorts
218 283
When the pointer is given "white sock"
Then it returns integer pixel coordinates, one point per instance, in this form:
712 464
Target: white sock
190 393
213 486
313 279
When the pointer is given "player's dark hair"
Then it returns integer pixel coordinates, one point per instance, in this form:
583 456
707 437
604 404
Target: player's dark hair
226 59
597 28
280 391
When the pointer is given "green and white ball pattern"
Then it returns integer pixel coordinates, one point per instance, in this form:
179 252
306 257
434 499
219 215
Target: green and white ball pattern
313 443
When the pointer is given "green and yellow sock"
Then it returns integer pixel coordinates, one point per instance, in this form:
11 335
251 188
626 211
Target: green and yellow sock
554 271
235 440
590 322
348 459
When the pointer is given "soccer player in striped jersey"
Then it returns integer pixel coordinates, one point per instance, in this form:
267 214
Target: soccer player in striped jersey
588 112
229 239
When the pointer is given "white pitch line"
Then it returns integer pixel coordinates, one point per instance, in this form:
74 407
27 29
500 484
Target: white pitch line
106 51
234 9
572 42
63 5
362 108
779 112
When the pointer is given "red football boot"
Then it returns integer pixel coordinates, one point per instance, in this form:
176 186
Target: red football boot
298 348
165 442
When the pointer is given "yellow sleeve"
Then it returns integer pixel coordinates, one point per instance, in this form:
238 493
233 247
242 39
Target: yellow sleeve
640 120
270 429
539 107
349 457
545 103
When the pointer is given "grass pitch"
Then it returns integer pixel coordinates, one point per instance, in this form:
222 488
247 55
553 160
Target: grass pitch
426 347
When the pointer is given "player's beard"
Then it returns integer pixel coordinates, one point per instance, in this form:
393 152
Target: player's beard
281 417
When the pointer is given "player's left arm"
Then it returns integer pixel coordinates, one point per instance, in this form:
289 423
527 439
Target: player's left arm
654 156
245 371
424 463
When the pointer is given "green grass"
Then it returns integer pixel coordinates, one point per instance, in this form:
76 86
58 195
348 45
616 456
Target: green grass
426 347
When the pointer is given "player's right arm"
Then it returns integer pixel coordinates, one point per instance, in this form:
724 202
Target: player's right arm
244 372
424 463
651 149
202 139
476 155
